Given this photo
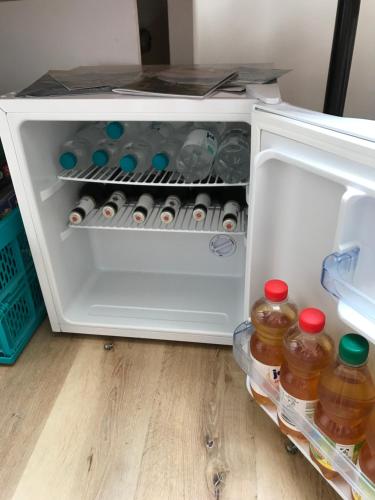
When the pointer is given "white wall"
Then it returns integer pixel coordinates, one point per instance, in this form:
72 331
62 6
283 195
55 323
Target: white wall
180 20
293 34
37 35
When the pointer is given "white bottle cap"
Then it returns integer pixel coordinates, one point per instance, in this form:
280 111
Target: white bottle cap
166 216
199 214
138 217
75 217
229 224
108 211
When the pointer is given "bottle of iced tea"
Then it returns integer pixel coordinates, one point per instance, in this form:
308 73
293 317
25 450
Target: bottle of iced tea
308 350
271 316
346 396
366 460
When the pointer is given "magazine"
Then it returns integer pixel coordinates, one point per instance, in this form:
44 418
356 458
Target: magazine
179 81
90 77
196 81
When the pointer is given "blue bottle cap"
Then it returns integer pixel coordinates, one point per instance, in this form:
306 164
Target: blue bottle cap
100 158
128 163
160 161
114 130
68 160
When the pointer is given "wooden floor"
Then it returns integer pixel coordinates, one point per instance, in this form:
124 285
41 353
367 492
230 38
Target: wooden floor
146 420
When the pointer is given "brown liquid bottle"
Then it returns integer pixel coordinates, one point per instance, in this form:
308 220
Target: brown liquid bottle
346 396
271 316
307 352
366 462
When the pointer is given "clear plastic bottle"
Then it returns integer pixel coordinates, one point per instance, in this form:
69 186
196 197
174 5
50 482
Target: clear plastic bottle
165 156
271 316
116 130
346 397
307 352
198 152
105 153
77 151
232 162
366 461
135 155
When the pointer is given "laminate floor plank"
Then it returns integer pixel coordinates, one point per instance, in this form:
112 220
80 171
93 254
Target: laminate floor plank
144 421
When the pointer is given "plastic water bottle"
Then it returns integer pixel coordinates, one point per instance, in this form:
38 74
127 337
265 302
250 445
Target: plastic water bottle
105 153
198 152
117 130
233 156
135 155
77 151
166 139
165 156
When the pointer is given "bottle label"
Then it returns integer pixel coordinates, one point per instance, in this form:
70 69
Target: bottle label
268 372
302 407
231 208
204 139
349 450
117 197
203 199
173 201
86 203
146 201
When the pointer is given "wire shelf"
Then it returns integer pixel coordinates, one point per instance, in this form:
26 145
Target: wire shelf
113 175
183 222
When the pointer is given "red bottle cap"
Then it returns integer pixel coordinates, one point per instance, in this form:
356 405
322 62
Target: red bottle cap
312 320
275 290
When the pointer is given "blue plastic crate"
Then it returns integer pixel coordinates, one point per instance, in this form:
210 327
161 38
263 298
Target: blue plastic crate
15 256
21 302
20 315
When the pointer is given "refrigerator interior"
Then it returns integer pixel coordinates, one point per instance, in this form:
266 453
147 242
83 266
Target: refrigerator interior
134 279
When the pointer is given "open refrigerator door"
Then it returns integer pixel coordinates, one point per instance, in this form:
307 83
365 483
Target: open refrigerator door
311 202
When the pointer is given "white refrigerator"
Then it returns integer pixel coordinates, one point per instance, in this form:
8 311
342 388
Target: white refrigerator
308 220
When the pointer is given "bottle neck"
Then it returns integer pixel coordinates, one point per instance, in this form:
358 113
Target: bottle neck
275 303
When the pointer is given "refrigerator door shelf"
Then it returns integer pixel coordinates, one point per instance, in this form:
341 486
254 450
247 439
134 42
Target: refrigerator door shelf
347 470
183 222
148 178
356 305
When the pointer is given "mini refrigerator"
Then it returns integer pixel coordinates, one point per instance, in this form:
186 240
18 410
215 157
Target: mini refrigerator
307 218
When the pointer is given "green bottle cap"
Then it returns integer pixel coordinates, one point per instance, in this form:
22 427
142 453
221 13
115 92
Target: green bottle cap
128 163
100 158
114 130
160 161
353 349
68 160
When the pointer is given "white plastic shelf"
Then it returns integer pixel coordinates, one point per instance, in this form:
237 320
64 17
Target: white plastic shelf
350 476
182 223
149 178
